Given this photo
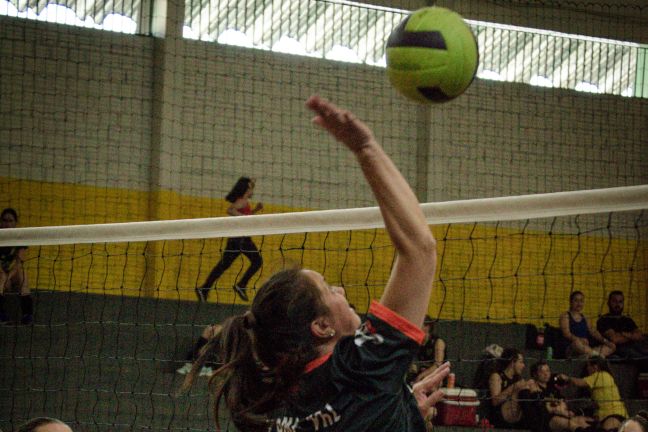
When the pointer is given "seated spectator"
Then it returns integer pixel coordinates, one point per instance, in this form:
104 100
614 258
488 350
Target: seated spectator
504 386
44 424
630 342
486 366
584 339
431 355
611 410
12 273
543 406
638 423
210 332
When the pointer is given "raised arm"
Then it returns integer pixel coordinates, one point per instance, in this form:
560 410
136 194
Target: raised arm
410 284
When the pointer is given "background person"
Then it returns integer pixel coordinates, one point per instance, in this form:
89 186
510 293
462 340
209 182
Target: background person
44 424
12 272
630 342
239 196
638 423
611 410
504 386
583 337
209 332
543 406
430 356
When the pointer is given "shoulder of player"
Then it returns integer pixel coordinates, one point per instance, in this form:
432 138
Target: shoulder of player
392 320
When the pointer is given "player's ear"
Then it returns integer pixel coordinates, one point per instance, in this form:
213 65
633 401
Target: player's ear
321 328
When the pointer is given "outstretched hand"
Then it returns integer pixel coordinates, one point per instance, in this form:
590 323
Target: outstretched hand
340 123
426 391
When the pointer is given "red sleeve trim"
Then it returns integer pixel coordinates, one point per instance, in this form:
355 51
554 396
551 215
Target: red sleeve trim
319 361
397 321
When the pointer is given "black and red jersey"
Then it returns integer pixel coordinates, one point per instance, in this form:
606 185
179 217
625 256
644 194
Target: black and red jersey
360 386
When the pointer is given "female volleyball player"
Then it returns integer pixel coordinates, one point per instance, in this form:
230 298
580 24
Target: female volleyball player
239 196
300 360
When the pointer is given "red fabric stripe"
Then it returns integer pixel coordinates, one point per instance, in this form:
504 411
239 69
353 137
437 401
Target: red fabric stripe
319 361
397 321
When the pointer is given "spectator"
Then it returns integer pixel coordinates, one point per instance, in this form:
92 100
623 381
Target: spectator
12 272
210 332
630 342
431 355
542 404
44 424
638 423
488 363
239 196
611 410
504 386
580 333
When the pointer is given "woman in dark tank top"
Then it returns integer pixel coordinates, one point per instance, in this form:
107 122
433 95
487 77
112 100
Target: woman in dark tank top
584 339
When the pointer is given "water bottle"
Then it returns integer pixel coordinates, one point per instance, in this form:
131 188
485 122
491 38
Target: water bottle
549 353
451 381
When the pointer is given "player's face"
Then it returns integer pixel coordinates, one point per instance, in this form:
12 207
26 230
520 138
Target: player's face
616 304
544 374
345 320
7 221
577 304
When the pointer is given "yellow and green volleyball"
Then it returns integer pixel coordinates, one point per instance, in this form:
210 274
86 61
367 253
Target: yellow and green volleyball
432 55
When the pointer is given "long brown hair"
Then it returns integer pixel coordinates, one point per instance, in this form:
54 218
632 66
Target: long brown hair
265 350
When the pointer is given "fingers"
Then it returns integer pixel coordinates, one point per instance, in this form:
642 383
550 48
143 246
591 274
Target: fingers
323 108
328 114
340 123
430 401
433 380
434 398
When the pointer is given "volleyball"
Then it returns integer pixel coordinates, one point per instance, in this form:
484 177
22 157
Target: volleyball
432 55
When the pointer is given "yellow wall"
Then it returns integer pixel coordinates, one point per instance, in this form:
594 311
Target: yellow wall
483 273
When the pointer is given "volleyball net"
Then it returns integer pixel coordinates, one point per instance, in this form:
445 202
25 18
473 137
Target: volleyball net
148 134
116 308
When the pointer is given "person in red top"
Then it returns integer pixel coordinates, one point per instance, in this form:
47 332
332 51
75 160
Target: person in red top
300 360
239 197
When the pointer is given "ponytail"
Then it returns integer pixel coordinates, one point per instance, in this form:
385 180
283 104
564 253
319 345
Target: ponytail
241 381
265 350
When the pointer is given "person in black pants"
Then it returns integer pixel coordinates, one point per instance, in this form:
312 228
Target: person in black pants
239 196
